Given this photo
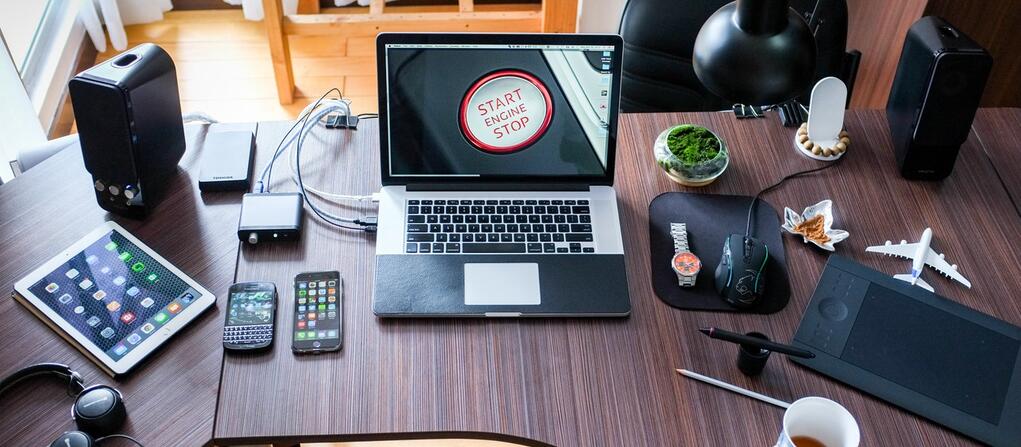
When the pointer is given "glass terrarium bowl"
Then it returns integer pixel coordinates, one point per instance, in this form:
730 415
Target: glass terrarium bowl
698 175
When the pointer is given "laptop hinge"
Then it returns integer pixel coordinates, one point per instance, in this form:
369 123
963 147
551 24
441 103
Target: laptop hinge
498 187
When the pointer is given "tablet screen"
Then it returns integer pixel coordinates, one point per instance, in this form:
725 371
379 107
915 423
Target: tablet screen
935 353
114 293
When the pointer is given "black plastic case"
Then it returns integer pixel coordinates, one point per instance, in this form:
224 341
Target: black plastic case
128 112
936 92
226 161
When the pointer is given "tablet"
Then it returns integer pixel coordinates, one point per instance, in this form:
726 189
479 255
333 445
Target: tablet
113 297
922 352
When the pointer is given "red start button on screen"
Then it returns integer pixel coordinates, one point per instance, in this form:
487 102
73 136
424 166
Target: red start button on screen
506 111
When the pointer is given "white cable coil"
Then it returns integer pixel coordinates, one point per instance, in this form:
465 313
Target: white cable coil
305 124
327 107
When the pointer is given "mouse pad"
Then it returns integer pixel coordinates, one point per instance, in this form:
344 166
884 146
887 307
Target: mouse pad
710 218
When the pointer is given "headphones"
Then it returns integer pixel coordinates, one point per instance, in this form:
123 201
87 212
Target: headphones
98 410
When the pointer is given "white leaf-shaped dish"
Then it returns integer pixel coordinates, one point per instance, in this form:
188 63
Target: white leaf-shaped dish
825 208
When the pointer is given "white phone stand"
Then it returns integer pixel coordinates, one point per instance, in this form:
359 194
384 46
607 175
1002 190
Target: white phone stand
825 118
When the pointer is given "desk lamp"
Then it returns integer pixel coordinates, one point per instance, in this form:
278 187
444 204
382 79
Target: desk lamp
757 52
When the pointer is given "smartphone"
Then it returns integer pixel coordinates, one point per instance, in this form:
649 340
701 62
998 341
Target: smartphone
317 312
251 311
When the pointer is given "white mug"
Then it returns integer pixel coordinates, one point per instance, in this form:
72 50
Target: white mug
821 419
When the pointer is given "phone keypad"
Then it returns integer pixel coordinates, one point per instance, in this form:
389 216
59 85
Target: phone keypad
248 335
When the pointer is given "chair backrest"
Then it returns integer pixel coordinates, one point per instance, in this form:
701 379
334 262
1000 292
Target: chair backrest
659 36
29 157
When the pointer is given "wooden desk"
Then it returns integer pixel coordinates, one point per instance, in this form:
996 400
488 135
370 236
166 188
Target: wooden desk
564 382
579 382
999 131
171 397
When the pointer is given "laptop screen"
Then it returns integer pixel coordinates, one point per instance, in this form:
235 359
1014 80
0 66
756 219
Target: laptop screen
498 111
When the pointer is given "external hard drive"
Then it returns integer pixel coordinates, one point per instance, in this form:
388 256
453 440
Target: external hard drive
226 161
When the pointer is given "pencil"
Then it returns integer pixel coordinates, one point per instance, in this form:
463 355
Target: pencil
734 388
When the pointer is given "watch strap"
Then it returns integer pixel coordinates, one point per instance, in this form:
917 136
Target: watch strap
679 231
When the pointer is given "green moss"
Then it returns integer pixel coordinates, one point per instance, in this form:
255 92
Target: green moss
692 145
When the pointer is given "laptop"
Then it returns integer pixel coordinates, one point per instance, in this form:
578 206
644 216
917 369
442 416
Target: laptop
497 156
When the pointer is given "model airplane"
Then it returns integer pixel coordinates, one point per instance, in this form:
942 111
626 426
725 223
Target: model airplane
920 255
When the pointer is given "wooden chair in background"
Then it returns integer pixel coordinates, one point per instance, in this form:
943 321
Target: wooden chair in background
549 16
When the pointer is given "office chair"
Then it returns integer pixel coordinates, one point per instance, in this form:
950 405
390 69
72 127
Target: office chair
30 157
659 36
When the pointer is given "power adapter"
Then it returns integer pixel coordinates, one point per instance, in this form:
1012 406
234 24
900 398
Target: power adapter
271 217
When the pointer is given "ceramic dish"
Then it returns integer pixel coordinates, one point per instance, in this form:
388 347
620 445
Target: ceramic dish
825 209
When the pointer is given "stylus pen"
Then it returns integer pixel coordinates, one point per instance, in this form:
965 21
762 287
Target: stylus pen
754 342
734 388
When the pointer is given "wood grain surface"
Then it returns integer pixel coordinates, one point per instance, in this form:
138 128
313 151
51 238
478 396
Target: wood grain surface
877 28
991 23
171 397
999 130
579 382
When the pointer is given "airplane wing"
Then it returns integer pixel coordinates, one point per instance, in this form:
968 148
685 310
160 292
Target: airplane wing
902 249
936 261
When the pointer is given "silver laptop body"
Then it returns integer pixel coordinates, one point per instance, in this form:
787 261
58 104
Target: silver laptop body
497 157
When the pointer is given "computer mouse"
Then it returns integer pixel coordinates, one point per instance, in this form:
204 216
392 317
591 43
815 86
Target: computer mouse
741 275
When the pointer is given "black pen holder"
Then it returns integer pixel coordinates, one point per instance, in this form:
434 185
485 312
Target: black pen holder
750 359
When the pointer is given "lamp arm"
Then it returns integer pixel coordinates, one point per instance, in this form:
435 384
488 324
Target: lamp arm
811 18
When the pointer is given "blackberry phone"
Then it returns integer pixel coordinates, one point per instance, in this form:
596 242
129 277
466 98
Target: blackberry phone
317 313
251 307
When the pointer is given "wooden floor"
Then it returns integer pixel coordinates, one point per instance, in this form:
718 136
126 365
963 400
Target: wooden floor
224 68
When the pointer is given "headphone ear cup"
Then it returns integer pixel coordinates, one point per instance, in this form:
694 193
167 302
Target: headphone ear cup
74 439
99 410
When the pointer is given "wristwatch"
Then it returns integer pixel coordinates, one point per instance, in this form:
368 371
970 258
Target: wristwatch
684 262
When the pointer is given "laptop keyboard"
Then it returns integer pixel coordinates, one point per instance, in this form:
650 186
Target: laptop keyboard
499 226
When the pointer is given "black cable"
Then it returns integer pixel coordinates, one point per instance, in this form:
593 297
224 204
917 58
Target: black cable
755 199
74 386
276 154
129 438
302 119
301 183
364 224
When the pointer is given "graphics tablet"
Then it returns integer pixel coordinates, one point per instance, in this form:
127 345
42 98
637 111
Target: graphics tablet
113 297
917 350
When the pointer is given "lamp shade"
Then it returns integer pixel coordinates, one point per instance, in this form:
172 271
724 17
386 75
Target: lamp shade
757 52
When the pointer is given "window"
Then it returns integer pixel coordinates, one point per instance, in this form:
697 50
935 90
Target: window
33 57
19 123
20 24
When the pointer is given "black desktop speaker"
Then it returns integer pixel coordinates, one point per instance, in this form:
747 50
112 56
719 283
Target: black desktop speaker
128 112
935 94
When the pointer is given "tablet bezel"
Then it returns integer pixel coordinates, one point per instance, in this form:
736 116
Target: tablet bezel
205 300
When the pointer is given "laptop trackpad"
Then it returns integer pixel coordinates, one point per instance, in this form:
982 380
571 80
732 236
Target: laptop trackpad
501 284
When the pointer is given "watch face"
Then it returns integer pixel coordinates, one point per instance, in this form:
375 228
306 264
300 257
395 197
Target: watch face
686 263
